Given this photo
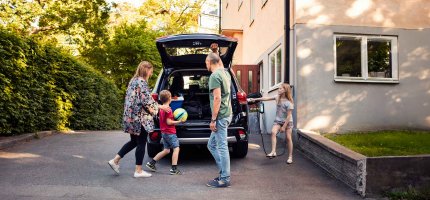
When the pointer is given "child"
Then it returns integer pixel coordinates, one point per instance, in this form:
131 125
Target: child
283 120
168 132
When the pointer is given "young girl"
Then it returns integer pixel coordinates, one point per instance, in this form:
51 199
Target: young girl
284 118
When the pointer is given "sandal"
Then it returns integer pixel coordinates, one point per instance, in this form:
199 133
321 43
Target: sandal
271 155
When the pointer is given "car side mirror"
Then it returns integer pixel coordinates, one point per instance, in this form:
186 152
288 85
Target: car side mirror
261 107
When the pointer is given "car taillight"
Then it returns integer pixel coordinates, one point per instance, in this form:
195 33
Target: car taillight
155 96
241 96
242 134
154 135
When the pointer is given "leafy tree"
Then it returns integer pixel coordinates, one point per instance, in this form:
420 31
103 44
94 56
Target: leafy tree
171 17
83 22
130 44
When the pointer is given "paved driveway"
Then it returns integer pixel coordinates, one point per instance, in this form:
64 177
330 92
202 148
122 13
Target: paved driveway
73 166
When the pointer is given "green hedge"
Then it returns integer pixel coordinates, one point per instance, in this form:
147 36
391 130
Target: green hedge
42 88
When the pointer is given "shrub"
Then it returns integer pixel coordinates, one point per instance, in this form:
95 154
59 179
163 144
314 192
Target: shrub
42 88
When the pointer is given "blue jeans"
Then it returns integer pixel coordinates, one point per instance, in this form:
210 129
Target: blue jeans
218 147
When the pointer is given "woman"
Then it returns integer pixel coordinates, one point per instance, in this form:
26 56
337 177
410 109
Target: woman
139 108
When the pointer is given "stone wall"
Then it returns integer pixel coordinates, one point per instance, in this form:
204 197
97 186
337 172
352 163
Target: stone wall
340 162
369 176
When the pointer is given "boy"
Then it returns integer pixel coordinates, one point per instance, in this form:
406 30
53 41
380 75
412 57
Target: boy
168 132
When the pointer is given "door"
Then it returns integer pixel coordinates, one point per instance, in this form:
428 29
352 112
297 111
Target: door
248 76
190 50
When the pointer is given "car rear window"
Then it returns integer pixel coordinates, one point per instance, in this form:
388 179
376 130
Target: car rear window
181 51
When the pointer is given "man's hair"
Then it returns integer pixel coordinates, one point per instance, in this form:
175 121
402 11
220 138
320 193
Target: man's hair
213 58
165 96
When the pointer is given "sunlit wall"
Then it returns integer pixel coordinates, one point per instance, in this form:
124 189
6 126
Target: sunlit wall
328 106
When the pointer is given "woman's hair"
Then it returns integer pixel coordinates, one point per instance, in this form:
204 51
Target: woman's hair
287 93
142 69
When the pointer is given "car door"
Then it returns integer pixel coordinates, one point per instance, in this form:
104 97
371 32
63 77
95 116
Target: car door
190 50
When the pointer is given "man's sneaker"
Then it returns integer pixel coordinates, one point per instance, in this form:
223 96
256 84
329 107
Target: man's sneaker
142 174
218 184
114 166
175 172
151 167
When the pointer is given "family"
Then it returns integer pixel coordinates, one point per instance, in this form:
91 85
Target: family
140 107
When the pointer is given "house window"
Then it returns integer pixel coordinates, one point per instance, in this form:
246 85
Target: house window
366 58
252 12
263 3
275 63
239 3
239 78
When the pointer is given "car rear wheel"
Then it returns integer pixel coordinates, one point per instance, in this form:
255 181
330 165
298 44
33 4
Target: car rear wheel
240 149
153 149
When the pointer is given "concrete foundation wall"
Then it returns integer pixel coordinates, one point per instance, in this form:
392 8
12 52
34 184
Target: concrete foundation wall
387 173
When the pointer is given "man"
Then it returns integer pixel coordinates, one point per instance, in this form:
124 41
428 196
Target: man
220 103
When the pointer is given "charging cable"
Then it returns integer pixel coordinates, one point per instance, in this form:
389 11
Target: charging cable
283 144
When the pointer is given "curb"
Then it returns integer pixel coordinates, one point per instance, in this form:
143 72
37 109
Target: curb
8 142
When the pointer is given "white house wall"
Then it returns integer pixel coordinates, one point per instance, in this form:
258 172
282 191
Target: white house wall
268 117
327 106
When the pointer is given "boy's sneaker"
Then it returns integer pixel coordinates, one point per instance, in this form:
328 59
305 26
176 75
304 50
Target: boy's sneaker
218 184
114 166
151 167
142 174
175 172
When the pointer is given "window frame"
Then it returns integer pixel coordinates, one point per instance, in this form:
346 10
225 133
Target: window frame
252 12
276 82
364 60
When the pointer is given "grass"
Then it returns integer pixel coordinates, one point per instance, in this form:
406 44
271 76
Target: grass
385 143
409 194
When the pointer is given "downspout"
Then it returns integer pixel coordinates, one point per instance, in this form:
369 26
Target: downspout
287 26
219 17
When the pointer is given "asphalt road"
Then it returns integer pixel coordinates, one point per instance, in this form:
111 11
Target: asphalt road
74 166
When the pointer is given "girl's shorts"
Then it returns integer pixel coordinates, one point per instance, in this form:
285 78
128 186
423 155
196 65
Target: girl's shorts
289 125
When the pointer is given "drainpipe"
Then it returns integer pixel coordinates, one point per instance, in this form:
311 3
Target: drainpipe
287 26
219 17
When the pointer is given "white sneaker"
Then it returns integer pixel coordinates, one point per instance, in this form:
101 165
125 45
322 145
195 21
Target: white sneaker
142 174
114 166
290 160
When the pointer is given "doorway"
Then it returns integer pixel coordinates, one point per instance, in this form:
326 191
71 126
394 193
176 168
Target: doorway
248 77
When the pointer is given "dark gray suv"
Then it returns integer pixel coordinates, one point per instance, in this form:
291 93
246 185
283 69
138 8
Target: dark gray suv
185 75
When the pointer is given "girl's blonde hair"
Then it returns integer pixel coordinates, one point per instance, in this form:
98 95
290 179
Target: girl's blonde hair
287 93
143 69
